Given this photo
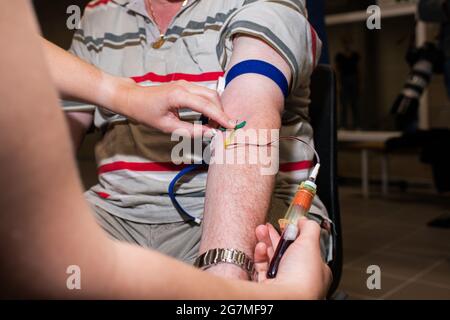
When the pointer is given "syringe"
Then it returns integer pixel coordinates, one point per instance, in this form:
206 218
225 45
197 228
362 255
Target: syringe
299 207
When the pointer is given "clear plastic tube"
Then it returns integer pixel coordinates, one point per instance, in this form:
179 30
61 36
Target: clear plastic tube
298 208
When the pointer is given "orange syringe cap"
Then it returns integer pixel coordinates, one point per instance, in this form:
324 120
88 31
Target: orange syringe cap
305 195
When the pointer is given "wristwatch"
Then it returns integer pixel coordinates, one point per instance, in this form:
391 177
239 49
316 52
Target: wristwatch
232 256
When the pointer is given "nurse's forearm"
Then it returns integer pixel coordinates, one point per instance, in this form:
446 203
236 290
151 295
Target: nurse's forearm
78 80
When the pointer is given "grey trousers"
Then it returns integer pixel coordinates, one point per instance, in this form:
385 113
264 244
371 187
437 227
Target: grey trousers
180 240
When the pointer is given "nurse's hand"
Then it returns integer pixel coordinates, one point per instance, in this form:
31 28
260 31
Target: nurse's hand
158 106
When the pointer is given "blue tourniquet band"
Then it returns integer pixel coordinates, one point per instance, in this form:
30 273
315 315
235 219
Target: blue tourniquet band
259 67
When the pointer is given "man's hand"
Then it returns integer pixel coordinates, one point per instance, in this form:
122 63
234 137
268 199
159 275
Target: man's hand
302 263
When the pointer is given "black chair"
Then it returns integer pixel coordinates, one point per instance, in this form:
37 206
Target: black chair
323 120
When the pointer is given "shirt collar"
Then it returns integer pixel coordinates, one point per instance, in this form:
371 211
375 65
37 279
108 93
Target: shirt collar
121 2
138 6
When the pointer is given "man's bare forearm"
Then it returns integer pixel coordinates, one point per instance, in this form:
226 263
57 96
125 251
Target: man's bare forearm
238 196
237 200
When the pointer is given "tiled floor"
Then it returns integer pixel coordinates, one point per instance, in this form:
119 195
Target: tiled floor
392 233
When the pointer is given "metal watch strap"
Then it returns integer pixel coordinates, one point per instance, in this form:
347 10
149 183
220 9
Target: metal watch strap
215 256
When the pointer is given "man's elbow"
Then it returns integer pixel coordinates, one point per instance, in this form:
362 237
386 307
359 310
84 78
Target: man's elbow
255 99
79 123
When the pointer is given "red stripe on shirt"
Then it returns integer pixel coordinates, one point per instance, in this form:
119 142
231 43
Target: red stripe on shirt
103 195
141 166
314 45
203 77
296 166
97 3
171 167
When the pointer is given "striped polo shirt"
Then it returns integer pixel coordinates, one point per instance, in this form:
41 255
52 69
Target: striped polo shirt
134 161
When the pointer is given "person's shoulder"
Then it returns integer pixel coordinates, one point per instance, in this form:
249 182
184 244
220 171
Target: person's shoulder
97 9
104 16
220 6
293 4
238 4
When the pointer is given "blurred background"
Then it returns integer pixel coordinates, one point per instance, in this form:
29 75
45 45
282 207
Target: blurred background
394 208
